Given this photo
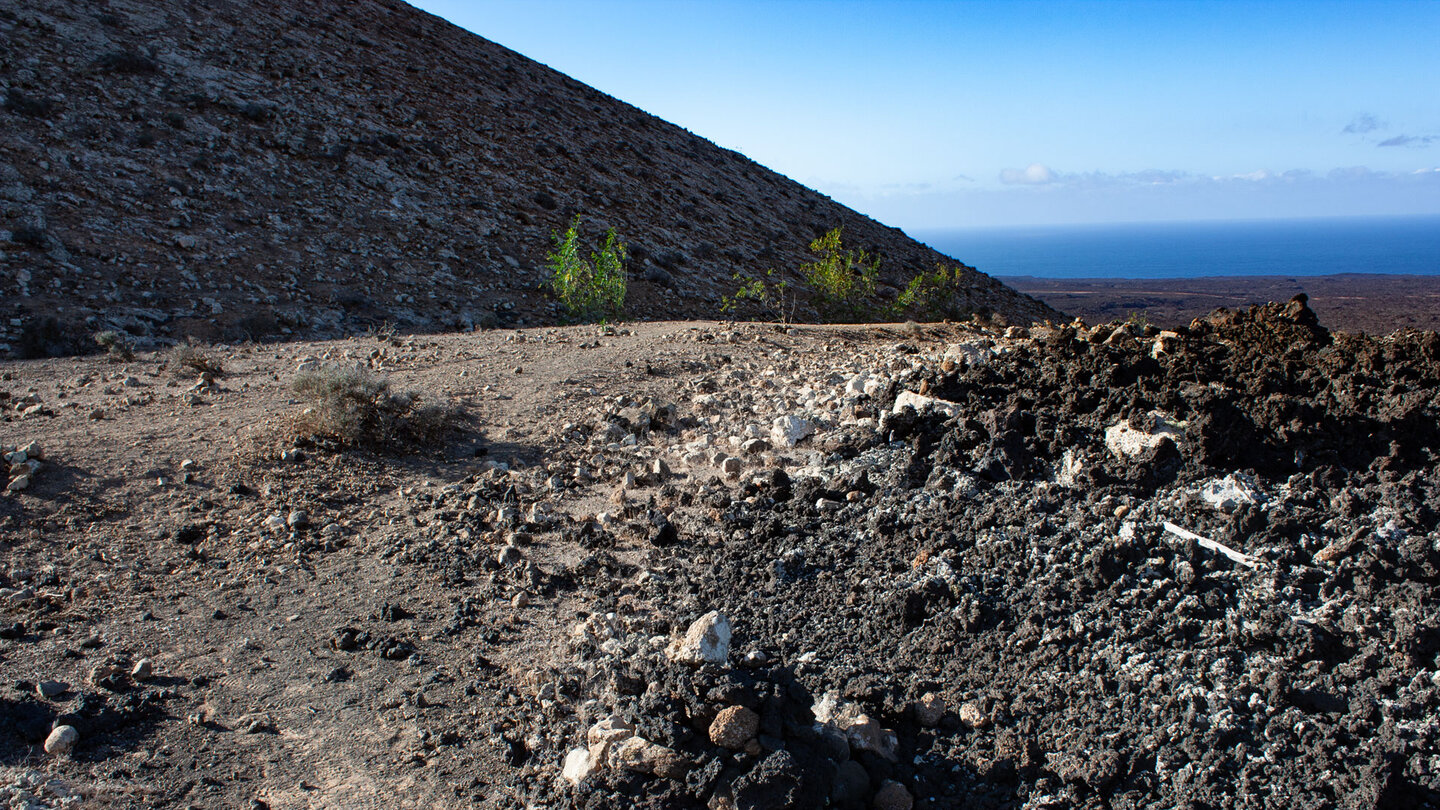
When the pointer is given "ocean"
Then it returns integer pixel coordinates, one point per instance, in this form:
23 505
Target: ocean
1306 247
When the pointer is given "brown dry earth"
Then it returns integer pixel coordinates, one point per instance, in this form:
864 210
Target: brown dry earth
143 536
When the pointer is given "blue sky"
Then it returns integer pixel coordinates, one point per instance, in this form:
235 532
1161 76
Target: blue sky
930 114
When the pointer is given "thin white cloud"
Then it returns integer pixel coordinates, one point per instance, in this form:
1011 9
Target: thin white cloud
1036 174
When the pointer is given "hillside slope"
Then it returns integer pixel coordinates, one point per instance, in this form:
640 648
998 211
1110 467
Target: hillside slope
234 170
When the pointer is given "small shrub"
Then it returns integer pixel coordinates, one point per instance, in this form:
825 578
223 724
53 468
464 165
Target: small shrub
771 293
117 345
350 407
936 295
593 289
192 357
843 279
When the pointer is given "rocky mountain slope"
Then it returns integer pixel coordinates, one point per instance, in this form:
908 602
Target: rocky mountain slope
234 170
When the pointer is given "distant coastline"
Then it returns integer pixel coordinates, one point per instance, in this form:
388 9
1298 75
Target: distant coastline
1401 245
1376 303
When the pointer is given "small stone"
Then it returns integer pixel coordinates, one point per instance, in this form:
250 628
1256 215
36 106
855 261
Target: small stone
893 796
276 524
753 447
578 765
18 483
142 670
731 466
972 715
639 755
61 741
921 404
298 519
106 675
929 709
520 600
32 450
606 733
733 727
660 469
706 641
49 690
510 556
866 734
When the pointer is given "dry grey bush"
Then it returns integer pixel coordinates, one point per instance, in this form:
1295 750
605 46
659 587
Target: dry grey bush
197 358
351 408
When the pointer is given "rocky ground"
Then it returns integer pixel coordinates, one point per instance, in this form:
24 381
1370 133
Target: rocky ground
720 565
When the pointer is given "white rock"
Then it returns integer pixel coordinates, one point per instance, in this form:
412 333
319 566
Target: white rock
923 403
1070 468
606 733
788 431
707 641
1229 493
61 740
855 387
1127 442
974 352
578 765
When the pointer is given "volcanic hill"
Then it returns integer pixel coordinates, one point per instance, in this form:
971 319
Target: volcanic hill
245 170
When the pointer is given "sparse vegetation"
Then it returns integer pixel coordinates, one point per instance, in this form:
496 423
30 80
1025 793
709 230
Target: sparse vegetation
593 289
194 357
351 408
771 293
936 295
117 345
844 280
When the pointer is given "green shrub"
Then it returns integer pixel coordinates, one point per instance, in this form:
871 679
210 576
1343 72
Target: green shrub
843 280
350 407
773 294
593 289
936 295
